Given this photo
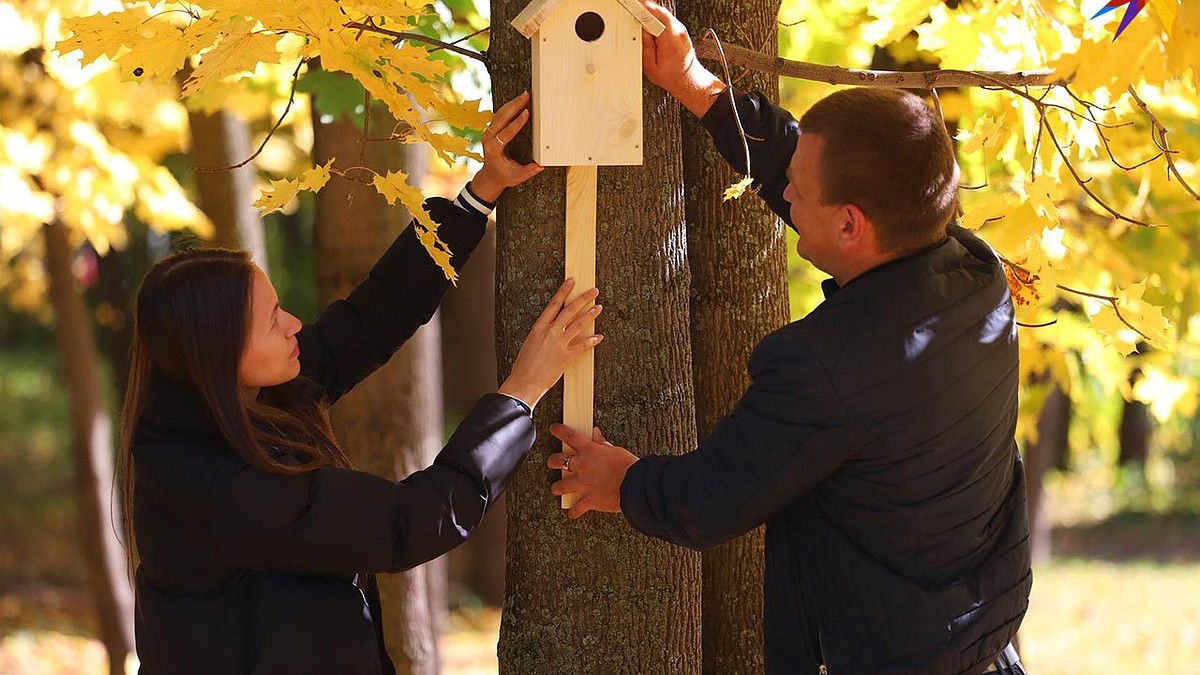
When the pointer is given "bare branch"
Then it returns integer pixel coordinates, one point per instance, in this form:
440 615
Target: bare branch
1083 183
369 26
928 79
1161 142
270 134
1037 325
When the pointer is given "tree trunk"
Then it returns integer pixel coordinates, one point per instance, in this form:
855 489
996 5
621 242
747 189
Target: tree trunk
1053 425
91 442
730 313
469 371
226 197
391 423
1134 433
594 595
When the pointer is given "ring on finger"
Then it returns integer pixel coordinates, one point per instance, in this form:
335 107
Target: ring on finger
566 462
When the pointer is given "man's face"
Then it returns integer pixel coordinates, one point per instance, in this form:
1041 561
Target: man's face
817 224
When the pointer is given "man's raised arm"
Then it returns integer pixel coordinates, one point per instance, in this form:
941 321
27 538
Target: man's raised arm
670 61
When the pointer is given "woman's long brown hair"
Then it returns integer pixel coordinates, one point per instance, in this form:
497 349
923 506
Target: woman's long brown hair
191 327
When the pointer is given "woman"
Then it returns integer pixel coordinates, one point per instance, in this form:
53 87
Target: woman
256 539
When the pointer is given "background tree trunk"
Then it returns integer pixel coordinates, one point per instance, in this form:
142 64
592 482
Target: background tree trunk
469 371
1134 433
730 313
595 596
1053 427
226 197
391 423
91 441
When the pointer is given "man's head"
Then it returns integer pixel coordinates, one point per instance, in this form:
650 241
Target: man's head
873 178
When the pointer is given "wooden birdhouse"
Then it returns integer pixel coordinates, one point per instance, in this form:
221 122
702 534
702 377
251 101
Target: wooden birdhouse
587 79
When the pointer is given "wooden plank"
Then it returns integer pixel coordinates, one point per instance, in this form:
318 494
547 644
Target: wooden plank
530 20
587 106
579 378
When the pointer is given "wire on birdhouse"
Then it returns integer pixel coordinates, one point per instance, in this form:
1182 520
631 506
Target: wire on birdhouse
739 188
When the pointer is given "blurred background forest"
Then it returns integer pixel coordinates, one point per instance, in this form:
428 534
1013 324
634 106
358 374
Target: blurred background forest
1110 428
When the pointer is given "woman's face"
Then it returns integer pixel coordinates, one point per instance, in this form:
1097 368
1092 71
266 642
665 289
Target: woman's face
272 354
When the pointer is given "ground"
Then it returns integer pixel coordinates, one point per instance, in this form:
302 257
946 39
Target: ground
1136 613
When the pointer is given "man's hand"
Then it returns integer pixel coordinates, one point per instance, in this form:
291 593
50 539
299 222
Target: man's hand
595 470
499 171
670 62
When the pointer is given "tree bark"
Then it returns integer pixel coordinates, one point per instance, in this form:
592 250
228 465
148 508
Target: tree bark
391 423
226 197
730 313
594 595
91 442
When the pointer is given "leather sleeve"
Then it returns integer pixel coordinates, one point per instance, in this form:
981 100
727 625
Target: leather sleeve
355 336
340 521
771 133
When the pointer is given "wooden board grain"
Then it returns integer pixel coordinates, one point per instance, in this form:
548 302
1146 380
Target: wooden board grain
579 378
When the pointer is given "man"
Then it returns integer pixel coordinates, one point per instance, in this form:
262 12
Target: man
876 439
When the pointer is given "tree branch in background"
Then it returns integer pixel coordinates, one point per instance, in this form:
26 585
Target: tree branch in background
928 79
1044 124
368 26
1160 139
270 134
1015 82
1028 276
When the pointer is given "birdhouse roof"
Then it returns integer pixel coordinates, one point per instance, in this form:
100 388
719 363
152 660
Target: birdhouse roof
530 20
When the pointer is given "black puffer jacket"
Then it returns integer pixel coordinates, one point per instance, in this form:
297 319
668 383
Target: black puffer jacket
245 572
876 443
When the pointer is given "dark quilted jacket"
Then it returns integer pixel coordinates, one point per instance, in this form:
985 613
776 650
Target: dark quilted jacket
249 573
876 444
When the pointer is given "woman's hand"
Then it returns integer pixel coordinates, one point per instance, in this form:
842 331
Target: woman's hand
499 171
553 342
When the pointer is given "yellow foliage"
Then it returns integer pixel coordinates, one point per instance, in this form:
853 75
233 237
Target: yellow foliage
394 187
281 192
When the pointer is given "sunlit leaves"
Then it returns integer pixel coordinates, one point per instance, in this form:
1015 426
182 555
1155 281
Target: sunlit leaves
223 40
395 188
279 193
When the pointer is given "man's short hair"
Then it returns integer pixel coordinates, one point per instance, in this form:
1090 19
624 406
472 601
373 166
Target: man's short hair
887 152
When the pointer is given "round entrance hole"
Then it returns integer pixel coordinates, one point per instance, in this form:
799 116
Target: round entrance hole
589 26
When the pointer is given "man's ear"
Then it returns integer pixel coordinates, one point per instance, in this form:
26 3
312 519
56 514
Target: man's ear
857 228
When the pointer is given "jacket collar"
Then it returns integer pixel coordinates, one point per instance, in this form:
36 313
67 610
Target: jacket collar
898 269
173 407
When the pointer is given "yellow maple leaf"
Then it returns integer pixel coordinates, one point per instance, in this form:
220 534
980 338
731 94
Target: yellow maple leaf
448 146
103 34
737 189
1120 336
394 187
240 50
392 9
465 115
316 177
986 133
277 195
